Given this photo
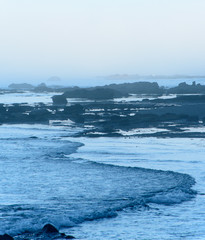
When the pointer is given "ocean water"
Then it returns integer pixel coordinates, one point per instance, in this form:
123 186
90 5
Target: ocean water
104 188
123 188
170 215
27 97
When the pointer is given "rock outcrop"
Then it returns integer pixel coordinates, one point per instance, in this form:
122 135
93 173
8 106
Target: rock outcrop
21 86
59 100
48 228
94 93
6 237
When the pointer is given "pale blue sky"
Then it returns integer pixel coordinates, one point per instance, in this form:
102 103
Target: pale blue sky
77 38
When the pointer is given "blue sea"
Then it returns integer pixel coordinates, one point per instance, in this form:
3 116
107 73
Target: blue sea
125 188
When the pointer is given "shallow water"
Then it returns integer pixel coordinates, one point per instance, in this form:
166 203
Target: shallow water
176 221
27 97
110 188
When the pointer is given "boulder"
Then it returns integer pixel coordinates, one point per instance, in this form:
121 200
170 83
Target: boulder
48 228
59 100
6 237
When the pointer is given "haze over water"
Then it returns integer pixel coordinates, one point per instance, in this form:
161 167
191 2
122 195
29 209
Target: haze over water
79 40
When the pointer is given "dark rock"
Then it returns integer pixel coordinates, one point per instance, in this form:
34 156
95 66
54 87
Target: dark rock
77 108
6 237
37 112
69 237
77 118
2 109
74 113
59 100
39 115
34 137
193 118
191 98
42 88
15 109
137 88
48 228
94 93
184 88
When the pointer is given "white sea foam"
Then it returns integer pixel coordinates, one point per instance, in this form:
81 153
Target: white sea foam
179 155
41 182
139 131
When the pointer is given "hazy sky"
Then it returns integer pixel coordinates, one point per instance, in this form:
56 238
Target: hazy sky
77 38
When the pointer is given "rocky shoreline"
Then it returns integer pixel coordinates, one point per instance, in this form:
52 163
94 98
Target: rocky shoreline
170 117
48 232
153 115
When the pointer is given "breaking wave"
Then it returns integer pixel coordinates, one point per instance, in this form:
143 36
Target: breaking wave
41 183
